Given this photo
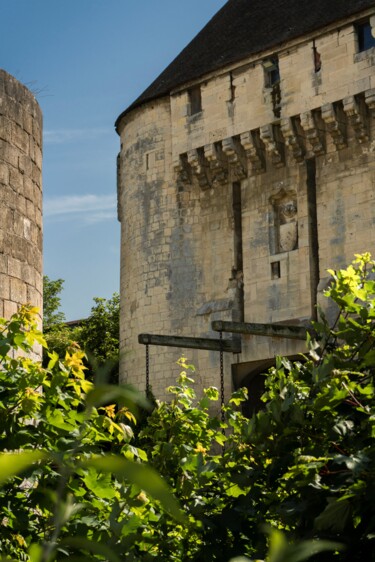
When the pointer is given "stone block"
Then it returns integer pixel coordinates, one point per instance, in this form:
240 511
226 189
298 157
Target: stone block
4 173
10 308
18 292
20 139
19 248
16 180
4 286
15 268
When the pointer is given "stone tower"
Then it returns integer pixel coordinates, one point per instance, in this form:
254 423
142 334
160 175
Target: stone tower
20 197
246 170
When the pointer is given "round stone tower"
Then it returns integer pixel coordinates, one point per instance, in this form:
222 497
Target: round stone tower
20 197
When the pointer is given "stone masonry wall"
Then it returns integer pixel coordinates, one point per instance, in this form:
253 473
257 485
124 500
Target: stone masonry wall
21 197
302 155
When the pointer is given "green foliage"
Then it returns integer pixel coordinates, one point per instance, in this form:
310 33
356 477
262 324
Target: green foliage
304 464
75 485
97 335
72 483
52 317
100 332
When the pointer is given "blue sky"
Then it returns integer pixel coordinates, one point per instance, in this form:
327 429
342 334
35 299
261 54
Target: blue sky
86 61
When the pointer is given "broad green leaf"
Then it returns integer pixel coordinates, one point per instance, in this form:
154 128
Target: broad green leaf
107 393
35 553
57 419
305 549
99 484
278 546
141 475
80 543
235 491
335 517
281 551
13 463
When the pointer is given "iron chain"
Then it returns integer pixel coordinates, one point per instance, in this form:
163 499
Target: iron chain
147 371
222 376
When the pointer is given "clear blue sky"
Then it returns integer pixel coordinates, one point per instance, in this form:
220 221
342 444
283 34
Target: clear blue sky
86 61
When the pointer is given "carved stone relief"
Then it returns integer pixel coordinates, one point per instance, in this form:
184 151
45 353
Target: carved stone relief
284 222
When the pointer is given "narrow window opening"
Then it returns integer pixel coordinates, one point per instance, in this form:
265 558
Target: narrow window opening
275 270
195 100
365 36
237 272
232 88
313 232
272 81
317 58
150 160
237 220
271 72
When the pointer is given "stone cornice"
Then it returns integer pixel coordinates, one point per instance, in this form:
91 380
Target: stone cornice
302 136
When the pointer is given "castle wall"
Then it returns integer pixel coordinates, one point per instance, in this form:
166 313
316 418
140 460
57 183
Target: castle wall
21 197
246 201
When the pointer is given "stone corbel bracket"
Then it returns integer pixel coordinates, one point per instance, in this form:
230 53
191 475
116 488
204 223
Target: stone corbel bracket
355 109
254 150
293 135
236 158
218 163
334 118
182 171
273 141
314 131
200 167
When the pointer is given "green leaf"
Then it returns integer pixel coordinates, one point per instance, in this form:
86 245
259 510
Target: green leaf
81 543
281 551
141 475
235 491
13 463
35 553
99 484
335 517
107 393
57 419
305 549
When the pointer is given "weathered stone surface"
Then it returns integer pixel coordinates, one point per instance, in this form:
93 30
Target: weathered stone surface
247 199
20 188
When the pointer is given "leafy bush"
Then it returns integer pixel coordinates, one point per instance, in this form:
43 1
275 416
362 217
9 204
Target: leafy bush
97 335
303 465
71 480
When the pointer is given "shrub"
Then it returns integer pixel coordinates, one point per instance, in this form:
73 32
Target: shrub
74 482
71 480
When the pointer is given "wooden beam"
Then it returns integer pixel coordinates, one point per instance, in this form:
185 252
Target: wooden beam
230 346
255 329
